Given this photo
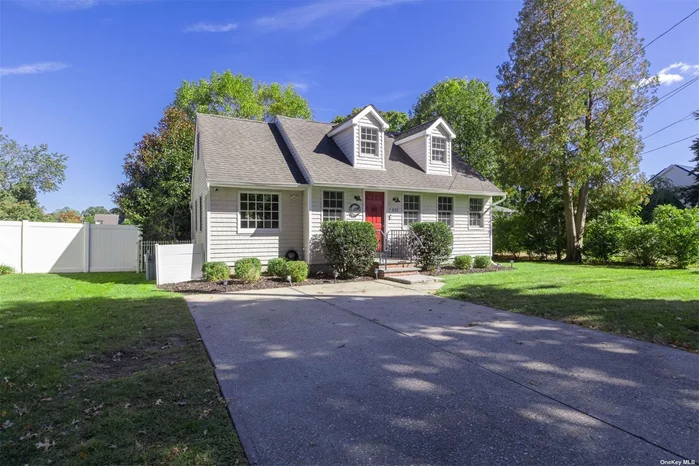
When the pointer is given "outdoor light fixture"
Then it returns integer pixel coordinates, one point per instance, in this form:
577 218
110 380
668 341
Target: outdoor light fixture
357 198
288 279
376 272
396 200
512 264
335 274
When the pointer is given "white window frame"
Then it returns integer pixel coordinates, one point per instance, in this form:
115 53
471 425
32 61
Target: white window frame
247 229
450 223
419 210
441 156
341 208
472 213
363 140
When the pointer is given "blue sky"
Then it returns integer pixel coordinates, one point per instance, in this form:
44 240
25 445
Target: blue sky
90 77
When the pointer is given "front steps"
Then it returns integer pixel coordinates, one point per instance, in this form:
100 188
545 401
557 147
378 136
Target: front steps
401 271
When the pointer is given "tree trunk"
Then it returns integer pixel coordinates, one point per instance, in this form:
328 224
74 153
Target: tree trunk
580 218
569 213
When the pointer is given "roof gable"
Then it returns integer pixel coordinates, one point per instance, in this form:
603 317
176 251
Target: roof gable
424 129
369 110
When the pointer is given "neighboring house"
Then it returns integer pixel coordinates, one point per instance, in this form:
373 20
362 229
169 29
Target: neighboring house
106 219
679 175
262 189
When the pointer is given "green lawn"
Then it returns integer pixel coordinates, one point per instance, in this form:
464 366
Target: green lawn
661 306
104 368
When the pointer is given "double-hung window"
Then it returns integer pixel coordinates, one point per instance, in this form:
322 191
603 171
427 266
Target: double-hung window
333 205
439 149
445 209
475 208
411 209
259 210
368 140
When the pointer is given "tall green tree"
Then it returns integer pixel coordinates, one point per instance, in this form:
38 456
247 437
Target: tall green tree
573 95
155 194
691 193
396 120
469 108
240 96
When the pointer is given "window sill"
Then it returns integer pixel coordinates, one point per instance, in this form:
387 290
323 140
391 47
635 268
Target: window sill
259 230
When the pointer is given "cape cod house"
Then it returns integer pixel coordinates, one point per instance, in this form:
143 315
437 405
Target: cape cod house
263 189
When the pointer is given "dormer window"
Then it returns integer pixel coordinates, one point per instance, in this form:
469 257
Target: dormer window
439 149
368 140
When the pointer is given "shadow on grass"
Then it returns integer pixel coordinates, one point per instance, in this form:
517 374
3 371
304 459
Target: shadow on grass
667 322
109 381
101 278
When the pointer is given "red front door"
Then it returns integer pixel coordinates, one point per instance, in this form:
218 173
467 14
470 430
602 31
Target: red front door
374 213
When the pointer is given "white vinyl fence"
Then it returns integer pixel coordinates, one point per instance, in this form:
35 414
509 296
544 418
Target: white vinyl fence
39 247
148 247
176 263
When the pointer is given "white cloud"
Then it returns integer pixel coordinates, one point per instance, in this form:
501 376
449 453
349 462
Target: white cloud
302 86
67 5
391 96
211 27
327 17
674 73
35 68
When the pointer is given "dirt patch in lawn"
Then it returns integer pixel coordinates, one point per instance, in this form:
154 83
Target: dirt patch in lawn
201 286
451 270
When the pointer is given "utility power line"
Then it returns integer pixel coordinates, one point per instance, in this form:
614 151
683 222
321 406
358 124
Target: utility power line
685 118
670 95
672 143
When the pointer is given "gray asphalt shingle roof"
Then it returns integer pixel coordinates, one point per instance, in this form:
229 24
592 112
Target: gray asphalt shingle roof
235 149
326 164
247 151
416 129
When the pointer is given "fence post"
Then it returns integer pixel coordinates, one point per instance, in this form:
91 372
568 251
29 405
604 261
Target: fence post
86 242
23 245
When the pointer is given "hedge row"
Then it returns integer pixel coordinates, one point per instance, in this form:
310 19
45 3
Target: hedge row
249 270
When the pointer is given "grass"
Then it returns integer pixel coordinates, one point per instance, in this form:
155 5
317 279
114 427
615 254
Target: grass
660 306
106 369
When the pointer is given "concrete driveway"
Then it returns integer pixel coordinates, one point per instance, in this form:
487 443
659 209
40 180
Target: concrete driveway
375 373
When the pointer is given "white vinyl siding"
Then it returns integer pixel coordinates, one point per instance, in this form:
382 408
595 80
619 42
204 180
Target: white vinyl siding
345 141
227 243
363 160
315 216
198 228
416 151
434 166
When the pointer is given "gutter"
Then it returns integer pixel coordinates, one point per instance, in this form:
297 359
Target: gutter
408 190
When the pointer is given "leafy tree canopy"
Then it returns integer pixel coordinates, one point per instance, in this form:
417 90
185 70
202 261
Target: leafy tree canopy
572 97
89 213
67 215
691 193
396 120
155 194
468 107
13 209
240 96
28 170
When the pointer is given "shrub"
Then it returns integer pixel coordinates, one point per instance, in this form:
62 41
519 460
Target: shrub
509 233
643 244
349 247
6 269
297 270
679 230
215 271
248 270
277 267
434 245
604 236
463 262
481 262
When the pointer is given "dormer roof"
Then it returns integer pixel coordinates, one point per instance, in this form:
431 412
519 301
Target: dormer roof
354 119
423 129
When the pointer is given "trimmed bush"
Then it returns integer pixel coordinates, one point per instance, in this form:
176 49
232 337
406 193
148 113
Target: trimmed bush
463 262
349 247
248 270
297 270
509 234
481 262
643 244
6 269
277 267
215 271
679 230
434 246
604 236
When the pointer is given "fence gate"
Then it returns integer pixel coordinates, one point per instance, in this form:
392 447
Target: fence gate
148 247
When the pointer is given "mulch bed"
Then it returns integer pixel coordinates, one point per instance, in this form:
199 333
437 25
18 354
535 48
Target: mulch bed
201 286
451 270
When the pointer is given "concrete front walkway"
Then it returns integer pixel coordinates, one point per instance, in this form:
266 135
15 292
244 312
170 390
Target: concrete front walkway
375 373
